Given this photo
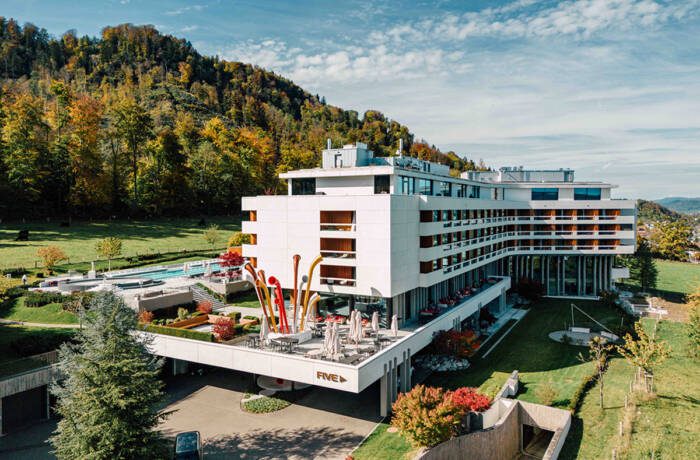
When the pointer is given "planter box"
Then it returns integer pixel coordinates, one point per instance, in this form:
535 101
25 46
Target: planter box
190 322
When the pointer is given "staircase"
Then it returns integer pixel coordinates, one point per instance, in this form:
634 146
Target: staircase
199 295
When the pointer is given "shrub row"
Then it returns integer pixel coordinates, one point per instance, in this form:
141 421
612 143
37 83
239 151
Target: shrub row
14 271
35 299
175 332
581 392
36 342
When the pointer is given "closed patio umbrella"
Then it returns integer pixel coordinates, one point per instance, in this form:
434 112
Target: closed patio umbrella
375 322
264 330
358 327
394 326
336 341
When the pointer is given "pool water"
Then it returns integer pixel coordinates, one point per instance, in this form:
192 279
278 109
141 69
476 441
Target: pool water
163 274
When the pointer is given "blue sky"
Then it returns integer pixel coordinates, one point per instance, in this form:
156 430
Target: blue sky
608 87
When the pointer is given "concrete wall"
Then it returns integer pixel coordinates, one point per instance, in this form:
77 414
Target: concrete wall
228 288
167 299
501 442
548 418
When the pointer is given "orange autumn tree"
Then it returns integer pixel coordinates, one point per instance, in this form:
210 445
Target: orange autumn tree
427 416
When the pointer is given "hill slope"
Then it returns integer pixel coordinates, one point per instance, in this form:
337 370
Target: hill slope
681 204
138 122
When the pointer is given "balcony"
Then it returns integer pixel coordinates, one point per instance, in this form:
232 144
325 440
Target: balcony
337 221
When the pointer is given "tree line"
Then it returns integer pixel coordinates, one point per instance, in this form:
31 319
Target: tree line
135 122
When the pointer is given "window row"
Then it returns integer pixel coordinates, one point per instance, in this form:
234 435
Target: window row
408 185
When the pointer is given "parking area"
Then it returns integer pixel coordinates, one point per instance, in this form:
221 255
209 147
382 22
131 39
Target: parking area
322 423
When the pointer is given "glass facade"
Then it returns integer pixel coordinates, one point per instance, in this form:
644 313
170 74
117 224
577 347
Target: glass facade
381 184
407 185
425 187
304 186
540 194
586 194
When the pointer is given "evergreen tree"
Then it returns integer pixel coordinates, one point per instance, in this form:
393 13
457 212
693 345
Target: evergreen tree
642 266
109 398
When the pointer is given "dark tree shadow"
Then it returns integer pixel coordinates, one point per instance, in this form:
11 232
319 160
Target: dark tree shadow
290 443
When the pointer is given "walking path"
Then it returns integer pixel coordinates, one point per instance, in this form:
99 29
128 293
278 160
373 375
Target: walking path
45 325
515 314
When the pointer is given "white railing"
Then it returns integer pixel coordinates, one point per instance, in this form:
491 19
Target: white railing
327 227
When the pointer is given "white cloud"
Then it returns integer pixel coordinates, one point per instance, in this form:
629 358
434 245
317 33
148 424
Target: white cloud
184 9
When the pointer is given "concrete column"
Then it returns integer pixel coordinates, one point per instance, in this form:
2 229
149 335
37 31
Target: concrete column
394 381
384 393
595 275
502 301
1 433
180 366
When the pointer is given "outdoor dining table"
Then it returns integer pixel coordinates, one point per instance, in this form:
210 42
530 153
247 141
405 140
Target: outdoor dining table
252 340
287 343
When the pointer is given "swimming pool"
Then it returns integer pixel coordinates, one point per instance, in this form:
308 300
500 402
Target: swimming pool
166 273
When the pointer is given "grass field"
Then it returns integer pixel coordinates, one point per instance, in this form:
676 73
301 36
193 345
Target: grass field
667 424
527 349
139 237
49 314
676 278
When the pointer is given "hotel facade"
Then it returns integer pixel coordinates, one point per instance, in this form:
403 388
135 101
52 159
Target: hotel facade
400 234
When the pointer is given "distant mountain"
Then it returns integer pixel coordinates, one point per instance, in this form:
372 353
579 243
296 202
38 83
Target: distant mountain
681 204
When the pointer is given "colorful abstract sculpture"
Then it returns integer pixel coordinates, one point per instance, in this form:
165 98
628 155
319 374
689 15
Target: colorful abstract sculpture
263 294
279 301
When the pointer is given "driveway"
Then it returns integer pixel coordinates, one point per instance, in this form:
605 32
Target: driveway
323 423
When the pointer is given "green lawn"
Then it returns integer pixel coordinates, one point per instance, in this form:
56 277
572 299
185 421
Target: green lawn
78 240
52 313
384 445
10 361
527 349
675 278
246 299
668 424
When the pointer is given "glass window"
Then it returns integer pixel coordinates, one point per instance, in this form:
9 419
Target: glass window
304 186
425 186
540 194
381 184
462 191
445 189
408 185
474 191
586 194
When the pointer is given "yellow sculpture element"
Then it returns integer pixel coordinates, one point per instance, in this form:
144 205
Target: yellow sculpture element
295 292
316 261
313 304
263 287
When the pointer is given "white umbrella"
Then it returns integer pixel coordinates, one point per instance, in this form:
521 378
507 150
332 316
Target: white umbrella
358 327
336 341
352 328
327 338
264 330
375 321
394 326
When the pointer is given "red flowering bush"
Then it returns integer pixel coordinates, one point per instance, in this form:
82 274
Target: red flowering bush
460 344
427 416
231 259
470 400
205 307
223 328
146 317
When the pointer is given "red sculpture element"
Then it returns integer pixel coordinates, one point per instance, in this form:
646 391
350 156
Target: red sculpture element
279 301
251 270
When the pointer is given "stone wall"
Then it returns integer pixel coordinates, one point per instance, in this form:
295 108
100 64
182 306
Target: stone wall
164 300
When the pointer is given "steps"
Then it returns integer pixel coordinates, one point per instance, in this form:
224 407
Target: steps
199 295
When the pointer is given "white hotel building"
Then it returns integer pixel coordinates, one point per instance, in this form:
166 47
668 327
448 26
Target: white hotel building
403 233
398 235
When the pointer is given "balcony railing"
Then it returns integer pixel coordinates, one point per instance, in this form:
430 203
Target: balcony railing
337 227
339 254
337 281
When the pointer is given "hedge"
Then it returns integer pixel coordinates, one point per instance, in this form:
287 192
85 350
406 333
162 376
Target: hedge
36 299
580 393
175 332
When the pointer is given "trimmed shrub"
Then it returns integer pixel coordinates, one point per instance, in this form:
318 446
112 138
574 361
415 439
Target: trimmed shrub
36 342
175 332
77 301
35 299
530 289
580 393
426 415
265 405
470 400
235 315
